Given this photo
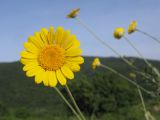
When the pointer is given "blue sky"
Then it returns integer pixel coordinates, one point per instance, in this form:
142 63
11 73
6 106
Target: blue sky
21 18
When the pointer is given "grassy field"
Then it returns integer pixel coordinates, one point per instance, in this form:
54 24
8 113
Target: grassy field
101 95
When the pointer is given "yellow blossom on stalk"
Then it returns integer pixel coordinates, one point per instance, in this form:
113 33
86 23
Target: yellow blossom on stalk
132 27
119 33
96 62
73 13
51 56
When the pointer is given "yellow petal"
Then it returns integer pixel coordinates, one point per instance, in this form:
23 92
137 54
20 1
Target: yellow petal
26 54
67 72
60 77
78 60
59 35
27 61
75 44
51 35
69 42
39 77
32 72
30 66
31 48
74 67
44 35
65 38
38 38
52 79
35 41
73 52
45 78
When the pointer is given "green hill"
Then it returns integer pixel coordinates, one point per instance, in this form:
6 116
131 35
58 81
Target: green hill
99 92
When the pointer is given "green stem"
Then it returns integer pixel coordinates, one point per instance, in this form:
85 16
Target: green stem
138 52
142 100
74 102
66 101
145 60
103 42
155 39
93 114
107 45
126 78
143 103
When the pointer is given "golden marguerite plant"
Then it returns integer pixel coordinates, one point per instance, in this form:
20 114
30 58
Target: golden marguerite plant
51 56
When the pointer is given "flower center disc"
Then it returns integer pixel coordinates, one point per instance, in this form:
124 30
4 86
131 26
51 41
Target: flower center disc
51 57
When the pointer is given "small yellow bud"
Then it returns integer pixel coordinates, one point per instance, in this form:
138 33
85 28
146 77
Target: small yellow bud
119 33
132 27
73 13
96 62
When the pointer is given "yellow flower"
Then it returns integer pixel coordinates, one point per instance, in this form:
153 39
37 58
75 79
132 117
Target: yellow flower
51 56
73 13
96 62
132 27
119 33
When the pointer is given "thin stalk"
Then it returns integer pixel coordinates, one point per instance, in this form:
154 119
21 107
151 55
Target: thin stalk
143 104
138 52
152 37
142 100
103 42
145 60
126 78
107 45
74 102
93 114
68 104
148 76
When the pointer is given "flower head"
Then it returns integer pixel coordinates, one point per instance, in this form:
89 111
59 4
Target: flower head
119 33
96 62
132 27
51 56
73 13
